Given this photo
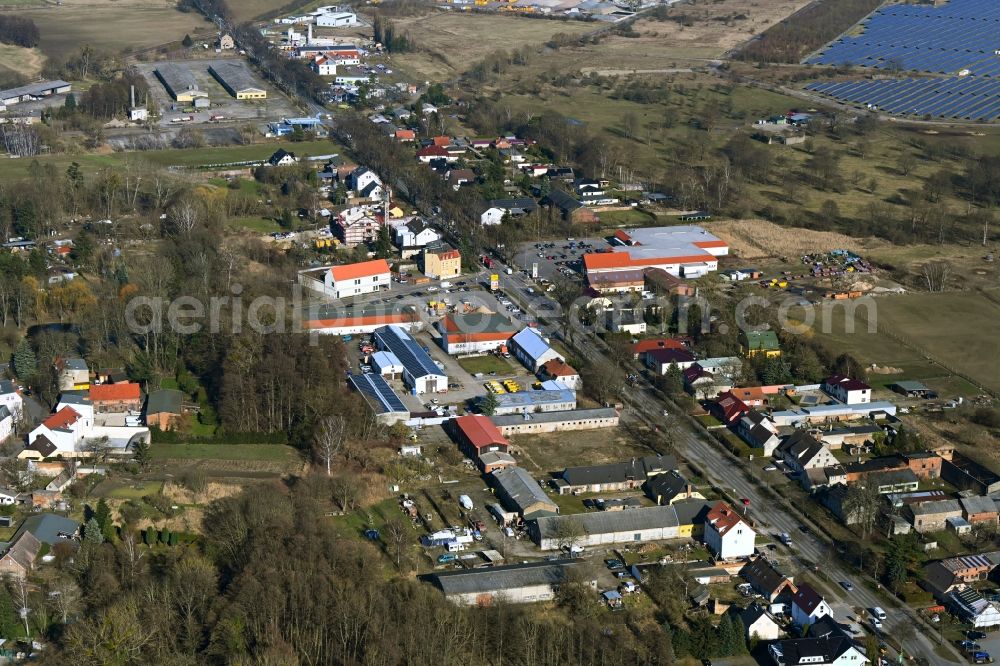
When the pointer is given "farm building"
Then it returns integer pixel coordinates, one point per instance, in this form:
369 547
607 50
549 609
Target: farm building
655 523
164 408
574 419
33 91
476 435
613 477
515 583
236 78
517 491
179 82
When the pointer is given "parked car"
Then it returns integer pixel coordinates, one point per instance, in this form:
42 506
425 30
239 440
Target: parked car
847 585
975 635
445 558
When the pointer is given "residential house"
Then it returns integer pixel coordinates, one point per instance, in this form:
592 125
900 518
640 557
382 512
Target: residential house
413 235
640 348
459 177
933 516
74 375
49 528
531 349
19 559
973 609
571 209
759 624
10 397
703 383
955 573
671 487
766 580
979 510
361 278
801 451
828 651
324 66
112 398
362 178
519 492
441 261
357 225
558 370
405 135
64 429
759 431
659 360
492 211
728 408
835 498
7 423
727 535
513 583
281 157
759 343
433 153
808 605
757 396
164 409
626 321
847 390
474 332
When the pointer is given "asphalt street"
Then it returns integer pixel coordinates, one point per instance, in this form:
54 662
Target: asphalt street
720 470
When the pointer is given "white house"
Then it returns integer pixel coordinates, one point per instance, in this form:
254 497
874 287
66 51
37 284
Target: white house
491 215
11 399
808 606
846 390
759 623
415 234
361 278
7 423
760 432
65 429
727 535
801 451
830 650
324 66
359 179
282 157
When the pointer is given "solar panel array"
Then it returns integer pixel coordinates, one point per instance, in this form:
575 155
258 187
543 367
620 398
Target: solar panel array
413 357
376 388
959 98
960 38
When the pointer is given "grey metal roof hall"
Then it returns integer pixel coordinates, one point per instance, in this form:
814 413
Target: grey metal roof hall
234 76
610 522
521 488
176 78
555 417
41 88
476 581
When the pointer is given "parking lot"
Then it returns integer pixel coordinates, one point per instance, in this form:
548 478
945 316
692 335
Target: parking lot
557 258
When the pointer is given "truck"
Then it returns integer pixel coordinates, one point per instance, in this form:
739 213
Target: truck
216 117
465 502
509 271
785 539
182 119
445 284
487 262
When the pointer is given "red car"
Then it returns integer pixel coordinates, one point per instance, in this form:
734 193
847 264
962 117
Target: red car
745 501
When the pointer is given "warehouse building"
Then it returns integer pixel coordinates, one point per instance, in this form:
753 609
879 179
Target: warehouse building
337 20
535 402
574 419
654 523
476 435
236 78
514 583
681 251
337 321
179 82
475 332
380 398
420 373
33 92
518 492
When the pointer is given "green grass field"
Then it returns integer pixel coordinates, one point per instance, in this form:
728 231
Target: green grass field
136 491
187 157
257 224
486 365
265 452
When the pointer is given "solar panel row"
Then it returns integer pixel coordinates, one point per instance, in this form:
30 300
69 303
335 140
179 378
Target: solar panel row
959 98
376 388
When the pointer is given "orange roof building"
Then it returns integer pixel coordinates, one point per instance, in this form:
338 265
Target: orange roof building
475 332
727 534
684 251
354 323
361 278
116 397
64 419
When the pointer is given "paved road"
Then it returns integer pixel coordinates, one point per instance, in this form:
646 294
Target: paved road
718 468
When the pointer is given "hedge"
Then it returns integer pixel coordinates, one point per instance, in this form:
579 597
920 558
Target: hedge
172 437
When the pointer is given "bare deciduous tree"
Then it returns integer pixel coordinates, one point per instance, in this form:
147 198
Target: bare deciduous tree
935 275
329 440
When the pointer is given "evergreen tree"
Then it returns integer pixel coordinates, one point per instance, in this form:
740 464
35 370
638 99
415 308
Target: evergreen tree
141 453
102 514
187 42
25 363
92 532
70 103
10 627
488 405
383 244
673 380
149 537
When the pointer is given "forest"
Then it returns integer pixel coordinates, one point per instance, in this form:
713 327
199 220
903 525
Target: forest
18 31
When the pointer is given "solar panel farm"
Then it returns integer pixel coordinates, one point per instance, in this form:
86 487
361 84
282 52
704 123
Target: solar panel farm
956 46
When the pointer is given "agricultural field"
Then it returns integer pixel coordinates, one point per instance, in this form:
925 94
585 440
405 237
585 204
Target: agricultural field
929 342
110 25
551 452
17 60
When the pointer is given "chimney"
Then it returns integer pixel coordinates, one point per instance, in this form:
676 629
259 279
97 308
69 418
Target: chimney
132 92
309 40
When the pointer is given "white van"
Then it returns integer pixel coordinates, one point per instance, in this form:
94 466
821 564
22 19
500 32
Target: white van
879 613
445 284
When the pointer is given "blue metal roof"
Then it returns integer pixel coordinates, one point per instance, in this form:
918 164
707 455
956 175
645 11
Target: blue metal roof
531 342
530 399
